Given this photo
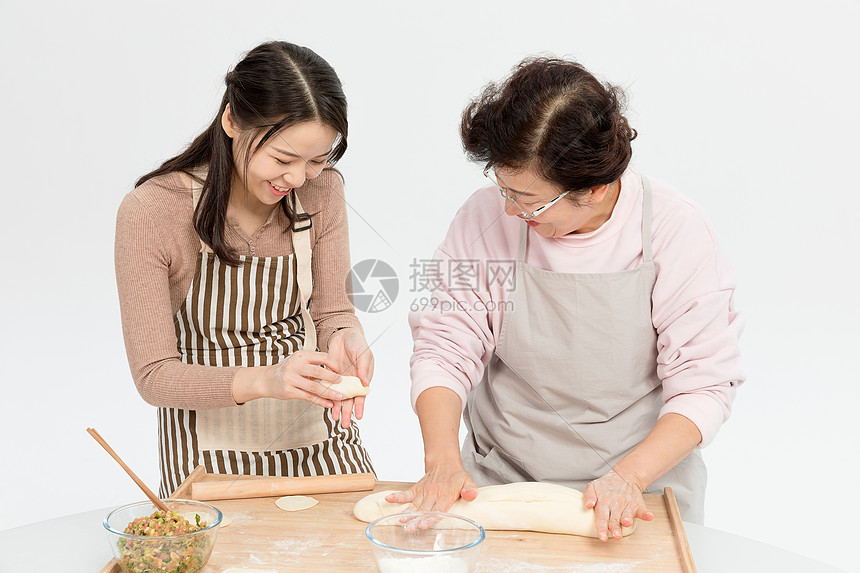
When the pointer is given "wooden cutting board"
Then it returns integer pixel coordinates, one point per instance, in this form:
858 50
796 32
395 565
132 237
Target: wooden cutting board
328 538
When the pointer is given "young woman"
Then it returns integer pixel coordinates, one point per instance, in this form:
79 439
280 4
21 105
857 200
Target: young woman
611 357
231 260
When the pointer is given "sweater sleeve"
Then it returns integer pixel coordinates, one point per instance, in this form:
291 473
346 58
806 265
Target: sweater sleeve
697 324
330 306
143 262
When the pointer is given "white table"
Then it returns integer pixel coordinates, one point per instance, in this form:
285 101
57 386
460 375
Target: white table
79 545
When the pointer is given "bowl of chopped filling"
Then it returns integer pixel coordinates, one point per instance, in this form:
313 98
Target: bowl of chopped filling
147 540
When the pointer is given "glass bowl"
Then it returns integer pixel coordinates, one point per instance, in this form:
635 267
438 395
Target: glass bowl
178 553
415 542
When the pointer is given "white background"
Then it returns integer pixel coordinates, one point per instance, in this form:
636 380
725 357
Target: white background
750 110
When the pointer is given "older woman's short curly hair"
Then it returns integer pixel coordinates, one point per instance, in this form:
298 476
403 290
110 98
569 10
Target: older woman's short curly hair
552 116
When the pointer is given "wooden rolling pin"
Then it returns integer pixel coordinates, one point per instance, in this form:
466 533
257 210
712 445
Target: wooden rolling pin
272 486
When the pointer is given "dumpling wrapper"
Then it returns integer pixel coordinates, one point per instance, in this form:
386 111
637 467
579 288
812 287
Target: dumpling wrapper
295 502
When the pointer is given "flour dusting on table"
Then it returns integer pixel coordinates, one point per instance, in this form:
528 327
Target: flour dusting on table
434 564
294 546
514 566
271 552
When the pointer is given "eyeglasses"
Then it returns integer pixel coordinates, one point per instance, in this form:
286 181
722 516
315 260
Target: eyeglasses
511 195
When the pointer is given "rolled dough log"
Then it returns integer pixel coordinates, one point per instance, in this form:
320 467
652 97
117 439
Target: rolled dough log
523 506
350 387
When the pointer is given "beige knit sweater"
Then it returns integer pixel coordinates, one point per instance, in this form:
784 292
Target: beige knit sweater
156 254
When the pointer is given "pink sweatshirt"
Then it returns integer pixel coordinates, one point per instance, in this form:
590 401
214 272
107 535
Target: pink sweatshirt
698 357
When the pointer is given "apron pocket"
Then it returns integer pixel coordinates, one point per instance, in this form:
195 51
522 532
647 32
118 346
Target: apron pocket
497 467
265 424
687 480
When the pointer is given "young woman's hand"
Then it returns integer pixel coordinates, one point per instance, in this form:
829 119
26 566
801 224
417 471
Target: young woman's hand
299 376
350 353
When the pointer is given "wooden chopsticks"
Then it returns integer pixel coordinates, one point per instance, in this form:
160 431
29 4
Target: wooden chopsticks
154 498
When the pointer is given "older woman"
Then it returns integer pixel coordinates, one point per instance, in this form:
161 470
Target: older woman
593 340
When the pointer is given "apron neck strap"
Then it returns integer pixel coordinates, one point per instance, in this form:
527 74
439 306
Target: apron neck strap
647 255
524 237
302 247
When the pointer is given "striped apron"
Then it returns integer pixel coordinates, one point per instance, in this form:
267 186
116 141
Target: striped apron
253 314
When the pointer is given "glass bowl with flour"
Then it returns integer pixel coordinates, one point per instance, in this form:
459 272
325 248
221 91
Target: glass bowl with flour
415 542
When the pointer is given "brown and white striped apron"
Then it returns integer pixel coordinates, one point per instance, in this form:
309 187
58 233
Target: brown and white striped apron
253 314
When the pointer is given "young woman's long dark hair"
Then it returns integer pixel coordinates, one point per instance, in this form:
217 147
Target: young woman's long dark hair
276 85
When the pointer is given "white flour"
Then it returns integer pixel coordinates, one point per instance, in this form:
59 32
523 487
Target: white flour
514 566
435 564
289 549
293 546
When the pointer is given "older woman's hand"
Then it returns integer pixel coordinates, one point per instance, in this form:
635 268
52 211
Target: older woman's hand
616 502
441 486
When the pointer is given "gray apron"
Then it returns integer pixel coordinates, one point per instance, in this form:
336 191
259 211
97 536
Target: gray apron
572 386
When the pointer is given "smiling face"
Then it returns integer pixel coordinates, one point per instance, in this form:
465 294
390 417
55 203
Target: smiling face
290 157
593 208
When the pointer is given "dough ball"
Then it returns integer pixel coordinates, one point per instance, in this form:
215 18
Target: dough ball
296 502
350 387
